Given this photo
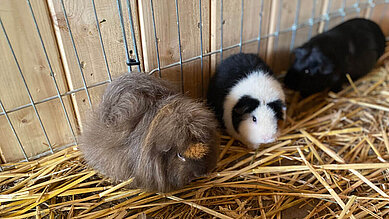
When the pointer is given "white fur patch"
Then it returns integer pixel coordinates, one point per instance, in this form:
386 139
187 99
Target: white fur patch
266 89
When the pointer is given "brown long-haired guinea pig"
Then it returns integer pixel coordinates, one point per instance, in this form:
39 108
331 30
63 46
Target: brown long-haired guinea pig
145 130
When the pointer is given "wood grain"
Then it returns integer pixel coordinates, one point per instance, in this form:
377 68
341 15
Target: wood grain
18 22
168 43
232 28
84 30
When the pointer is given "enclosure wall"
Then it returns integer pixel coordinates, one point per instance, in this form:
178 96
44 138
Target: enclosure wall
57 56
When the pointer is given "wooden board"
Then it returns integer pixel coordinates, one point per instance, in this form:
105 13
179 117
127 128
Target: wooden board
21 30
380 14
283 18
336 5
309 11
232 28
281 46
84 30
168 43
18 22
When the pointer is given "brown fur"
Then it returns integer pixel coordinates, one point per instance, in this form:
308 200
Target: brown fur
140 128
196 151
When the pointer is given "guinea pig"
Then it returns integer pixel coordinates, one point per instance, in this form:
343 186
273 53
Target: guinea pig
352 47
145 130
247 99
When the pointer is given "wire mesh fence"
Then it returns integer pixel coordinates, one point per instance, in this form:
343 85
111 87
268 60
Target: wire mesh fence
132 54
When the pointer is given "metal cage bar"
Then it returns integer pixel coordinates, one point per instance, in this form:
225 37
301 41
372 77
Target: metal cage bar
76 53
179 47
241 26
54 97
326 17
133 35
308 23
277 33
13 130
357 8
371 6
311 19
201 50
101 41
295 23
342 11
155 38
221 30
26 86
260 27
52 72
119 4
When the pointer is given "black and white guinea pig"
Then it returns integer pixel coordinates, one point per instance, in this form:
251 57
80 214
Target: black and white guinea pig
247 100
352 47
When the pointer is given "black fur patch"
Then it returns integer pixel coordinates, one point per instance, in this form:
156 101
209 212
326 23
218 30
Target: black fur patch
322 63
277 106
245 105
228 75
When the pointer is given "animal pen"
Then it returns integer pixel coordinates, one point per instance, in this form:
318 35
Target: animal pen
57 56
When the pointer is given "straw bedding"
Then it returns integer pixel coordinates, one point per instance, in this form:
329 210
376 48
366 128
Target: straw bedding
330 162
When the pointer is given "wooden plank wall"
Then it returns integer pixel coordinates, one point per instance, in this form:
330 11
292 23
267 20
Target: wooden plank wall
260 18
18 22
84 29
168 43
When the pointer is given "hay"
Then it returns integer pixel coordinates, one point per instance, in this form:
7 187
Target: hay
330 162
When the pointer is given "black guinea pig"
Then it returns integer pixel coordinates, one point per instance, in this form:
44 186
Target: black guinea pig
352 47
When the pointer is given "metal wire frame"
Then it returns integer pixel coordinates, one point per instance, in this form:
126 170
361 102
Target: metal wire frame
52 72
341 10
27 89
241 25
179 47
201 50
156 39
327 16
101 41
294 27
311 21
130 62
124 35
278 26
14 131
76 53
372 5
133 36
221 30
260 27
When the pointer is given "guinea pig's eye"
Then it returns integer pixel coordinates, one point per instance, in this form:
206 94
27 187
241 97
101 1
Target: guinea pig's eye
254 119
182 158
306 71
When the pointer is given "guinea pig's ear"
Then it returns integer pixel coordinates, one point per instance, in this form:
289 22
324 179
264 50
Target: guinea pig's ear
300 52
241 109
245 104
196 151
278 108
